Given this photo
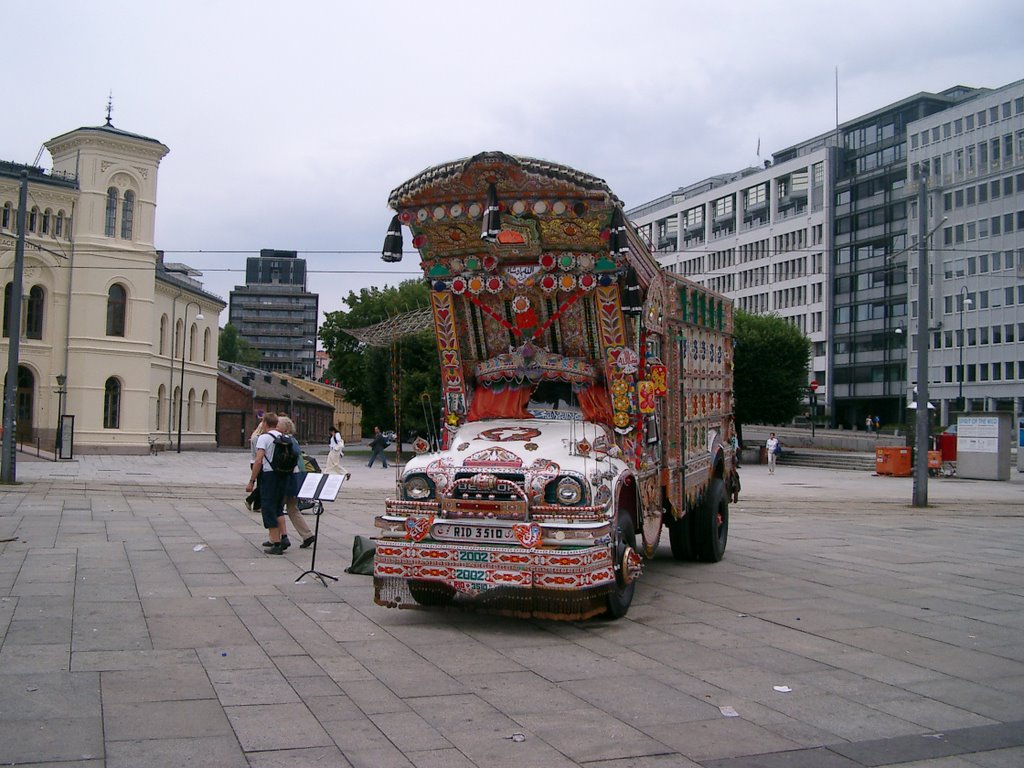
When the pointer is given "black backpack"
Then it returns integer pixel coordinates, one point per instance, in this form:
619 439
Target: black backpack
285 457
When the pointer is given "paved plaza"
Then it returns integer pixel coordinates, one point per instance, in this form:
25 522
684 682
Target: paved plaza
142 625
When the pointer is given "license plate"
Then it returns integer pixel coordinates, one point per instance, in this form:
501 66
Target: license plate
465 532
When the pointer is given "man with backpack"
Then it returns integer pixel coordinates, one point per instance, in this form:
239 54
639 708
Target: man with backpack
274 452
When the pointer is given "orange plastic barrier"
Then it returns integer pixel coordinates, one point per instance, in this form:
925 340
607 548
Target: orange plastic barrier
883 461
902 462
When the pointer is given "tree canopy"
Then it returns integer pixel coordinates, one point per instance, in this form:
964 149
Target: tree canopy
232 348
770 369
364 372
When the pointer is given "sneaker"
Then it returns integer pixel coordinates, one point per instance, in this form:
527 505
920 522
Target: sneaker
284 541
248 505
306 542
277 549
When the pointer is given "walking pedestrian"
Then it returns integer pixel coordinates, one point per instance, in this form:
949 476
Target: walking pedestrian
252 501
378 445
773 448
869 423
271 486
335 453
293 483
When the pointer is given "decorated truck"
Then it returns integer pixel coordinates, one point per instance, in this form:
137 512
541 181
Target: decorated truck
586 399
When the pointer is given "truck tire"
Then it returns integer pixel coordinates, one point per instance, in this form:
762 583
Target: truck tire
680 536
711 528
622 593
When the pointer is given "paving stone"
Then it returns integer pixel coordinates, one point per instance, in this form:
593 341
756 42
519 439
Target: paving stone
49 657
312 757
219 751
252 686
178 683
197 632
804 758
51 740
717 737
147 720
260 728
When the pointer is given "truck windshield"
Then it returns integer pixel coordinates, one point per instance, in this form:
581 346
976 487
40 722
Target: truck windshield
553 396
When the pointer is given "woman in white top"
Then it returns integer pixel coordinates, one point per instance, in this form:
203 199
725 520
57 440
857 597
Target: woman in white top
772 447
335 453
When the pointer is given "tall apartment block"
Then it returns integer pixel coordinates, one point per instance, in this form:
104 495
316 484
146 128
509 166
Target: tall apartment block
973 156
275 313
824 234
762 236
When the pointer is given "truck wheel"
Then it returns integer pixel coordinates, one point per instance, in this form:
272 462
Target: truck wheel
712 524
625 544
431 593
681 539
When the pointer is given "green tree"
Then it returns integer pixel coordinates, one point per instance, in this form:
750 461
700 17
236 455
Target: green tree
232 348
770 370
364 372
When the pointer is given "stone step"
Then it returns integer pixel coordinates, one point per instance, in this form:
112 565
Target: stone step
854 462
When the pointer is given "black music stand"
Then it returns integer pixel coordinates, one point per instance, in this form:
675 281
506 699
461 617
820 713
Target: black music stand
317 487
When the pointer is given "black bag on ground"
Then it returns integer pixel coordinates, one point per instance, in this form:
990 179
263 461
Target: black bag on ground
285 457
362 556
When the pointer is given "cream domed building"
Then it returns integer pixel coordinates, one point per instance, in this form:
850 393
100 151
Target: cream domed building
110 334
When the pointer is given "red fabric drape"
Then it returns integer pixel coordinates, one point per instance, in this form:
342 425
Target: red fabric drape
507 403
596 404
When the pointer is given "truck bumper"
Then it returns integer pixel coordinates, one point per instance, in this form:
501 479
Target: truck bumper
549 583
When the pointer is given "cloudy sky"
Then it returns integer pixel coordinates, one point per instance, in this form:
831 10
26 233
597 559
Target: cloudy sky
290 123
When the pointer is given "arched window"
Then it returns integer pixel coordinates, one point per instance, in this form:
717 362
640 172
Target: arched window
46 221
127 215
7 310
206 345
204 413
161 393
117 301
191 409
33 219
34 315
58 225
6 216
192 342
163 335
110 225
112 404
176 405
179 337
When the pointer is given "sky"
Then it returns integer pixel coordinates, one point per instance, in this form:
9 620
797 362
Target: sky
290 123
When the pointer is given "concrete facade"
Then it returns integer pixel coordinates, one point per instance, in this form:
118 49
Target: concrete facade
867 212
974 154
275 313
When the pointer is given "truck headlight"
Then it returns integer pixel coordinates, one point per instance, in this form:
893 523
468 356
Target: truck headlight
568 491
418 487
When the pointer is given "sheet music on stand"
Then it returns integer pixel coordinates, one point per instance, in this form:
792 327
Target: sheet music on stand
321 487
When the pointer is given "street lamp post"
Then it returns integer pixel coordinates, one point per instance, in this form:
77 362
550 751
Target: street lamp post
61 391
965 302
181 386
